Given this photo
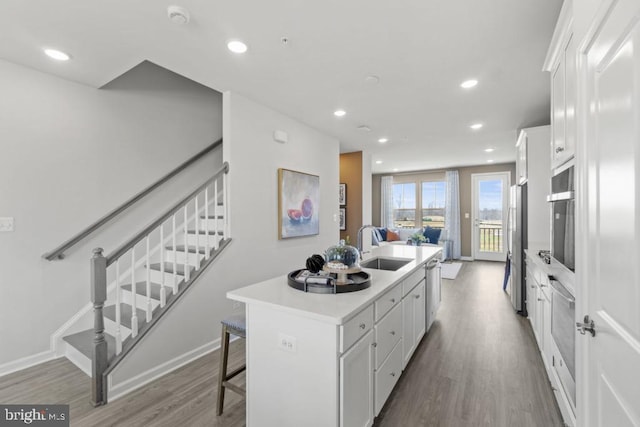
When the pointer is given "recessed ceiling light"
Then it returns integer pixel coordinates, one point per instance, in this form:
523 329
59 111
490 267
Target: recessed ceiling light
236 46
339 113
378 162
490 161
476 126
383 140
57 54
468 84
364 128
489 150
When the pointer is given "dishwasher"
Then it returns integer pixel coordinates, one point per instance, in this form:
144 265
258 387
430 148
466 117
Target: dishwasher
434 295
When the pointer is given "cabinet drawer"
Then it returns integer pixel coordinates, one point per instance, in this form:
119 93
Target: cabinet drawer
355 328
387 376
412 281
388 333
387 301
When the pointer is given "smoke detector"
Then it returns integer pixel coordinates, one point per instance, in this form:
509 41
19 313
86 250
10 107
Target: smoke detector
178 15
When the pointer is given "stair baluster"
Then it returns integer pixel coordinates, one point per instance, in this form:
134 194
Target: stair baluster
163 291
186 247
148 281
215 210
206 224
118 334
134 305
175 262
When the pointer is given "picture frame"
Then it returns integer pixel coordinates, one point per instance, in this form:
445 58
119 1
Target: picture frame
342 194
343 219
298 204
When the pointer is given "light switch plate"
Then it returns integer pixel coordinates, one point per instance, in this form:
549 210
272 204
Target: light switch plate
6 224
287 342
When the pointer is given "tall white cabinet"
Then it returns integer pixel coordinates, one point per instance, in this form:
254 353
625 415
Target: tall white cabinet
534 170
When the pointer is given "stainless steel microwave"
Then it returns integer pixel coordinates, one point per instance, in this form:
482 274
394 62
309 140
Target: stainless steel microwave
562 198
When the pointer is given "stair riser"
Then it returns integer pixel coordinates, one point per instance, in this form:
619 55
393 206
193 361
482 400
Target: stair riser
211 223
110 327
166 279
141 300
179 256
202 240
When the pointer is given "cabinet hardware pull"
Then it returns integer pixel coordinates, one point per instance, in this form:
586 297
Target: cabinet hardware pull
393 300
540 299
559 149
375 344
362 326
418 296
393 374
393 332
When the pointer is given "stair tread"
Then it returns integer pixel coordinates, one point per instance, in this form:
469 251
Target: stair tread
83 342
211 232
168 267
191 249
125 314
141 289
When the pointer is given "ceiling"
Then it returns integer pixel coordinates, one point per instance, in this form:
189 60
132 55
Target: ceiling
421 50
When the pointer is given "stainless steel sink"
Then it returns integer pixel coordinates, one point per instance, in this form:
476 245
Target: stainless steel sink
379 263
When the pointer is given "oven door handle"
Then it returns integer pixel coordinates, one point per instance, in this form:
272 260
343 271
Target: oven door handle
560 290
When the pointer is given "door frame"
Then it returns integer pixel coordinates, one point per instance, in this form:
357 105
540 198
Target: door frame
505 210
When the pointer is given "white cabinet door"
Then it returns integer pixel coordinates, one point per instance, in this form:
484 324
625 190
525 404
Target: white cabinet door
608 232
417 297
356 384
569 102
558 111
408 329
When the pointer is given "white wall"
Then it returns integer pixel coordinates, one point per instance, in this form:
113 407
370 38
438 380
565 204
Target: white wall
255 252
69 154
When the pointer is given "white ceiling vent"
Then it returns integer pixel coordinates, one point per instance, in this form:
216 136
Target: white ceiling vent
178 15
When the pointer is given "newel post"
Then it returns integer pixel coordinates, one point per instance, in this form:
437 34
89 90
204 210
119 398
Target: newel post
99 355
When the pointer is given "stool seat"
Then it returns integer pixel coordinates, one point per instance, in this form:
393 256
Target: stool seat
233 325
237 323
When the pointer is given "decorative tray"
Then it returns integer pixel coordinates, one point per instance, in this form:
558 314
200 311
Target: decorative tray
357 281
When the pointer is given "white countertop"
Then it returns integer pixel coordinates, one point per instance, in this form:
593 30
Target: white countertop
335 308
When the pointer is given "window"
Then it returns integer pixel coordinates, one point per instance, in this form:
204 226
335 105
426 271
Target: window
433 202
404 205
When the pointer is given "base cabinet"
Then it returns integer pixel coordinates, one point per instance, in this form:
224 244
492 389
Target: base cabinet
413 321
386 377
356 384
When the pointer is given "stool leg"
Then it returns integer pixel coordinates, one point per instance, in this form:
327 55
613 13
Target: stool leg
222 372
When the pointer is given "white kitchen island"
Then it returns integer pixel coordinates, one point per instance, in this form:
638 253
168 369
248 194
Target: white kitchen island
332 359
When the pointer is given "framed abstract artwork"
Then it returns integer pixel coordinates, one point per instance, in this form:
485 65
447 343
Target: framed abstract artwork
343 218
298 204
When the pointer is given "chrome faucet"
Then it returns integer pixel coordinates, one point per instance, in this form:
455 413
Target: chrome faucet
359 239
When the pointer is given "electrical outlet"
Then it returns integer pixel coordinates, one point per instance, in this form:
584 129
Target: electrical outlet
287 342
6 224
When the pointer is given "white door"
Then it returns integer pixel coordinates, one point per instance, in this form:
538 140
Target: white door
608 237
490 215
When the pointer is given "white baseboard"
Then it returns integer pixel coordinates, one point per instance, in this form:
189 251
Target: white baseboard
26 362
466 258
118 390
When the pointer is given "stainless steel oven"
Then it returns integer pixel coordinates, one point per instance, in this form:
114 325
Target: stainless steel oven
563 220
563 334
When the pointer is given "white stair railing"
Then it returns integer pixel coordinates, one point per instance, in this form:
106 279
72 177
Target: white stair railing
143 269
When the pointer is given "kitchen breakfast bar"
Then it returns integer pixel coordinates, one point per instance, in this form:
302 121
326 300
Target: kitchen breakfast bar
333 359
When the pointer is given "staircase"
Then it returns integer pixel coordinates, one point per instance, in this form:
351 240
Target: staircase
135 285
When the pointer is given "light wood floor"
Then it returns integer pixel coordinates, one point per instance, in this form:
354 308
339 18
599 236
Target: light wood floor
479 365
